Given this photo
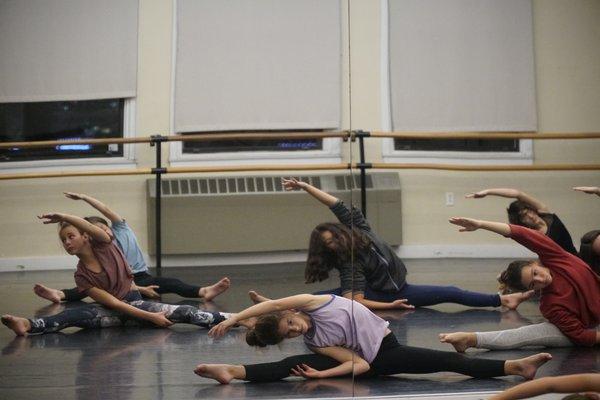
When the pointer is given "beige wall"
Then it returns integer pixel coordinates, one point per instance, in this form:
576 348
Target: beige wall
568 89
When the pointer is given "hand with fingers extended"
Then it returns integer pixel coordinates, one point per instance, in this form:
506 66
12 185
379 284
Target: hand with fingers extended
401 304
160 319
293 184
52 218
305 371
149 291
476 195
74 196
219 330
588 189
466 224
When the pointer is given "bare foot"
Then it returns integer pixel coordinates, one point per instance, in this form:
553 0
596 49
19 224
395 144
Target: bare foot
210 292
54 295
528 366
460 340
19 325
257 298
512 301
219 372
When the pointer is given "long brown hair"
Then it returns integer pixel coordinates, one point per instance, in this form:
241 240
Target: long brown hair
322 259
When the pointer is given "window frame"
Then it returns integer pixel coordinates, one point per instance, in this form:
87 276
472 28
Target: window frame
103 163
389 154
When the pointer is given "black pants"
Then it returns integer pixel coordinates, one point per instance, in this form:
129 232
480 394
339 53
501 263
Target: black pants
165 285
97 316
392 358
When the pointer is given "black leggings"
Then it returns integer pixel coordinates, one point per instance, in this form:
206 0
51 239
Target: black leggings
392 358
165 285
97 316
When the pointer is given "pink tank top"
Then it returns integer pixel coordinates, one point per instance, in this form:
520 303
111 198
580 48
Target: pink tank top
346 323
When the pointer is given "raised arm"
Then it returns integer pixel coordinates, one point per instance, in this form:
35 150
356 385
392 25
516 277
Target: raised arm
588 189
109 301
96 233
97 204
554 384
469 225
350 362
297 302
323 197
512 194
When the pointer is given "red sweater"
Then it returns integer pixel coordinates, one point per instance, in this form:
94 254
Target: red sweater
572 300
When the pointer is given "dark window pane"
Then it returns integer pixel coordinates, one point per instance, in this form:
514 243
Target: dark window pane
62 120
220 146
474 145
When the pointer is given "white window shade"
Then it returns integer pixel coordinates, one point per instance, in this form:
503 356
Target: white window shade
67 49
462 65
262 64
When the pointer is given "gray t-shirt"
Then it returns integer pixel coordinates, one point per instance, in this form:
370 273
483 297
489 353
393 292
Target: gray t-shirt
346 323
128 243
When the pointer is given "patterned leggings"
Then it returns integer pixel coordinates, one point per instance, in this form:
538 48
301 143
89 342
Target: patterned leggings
97 316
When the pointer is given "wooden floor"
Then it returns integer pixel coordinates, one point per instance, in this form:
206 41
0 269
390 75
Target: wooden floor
145 363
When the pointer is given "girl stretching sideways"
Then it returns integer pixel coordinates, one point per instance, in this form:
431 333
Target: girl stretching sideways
104 275
370 271
345 337
569 299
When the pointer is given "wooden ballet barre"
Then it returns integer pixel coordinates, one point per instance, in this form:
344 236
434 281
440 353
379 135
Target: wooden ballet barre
485 135
69 174
180 170
475 168
210 136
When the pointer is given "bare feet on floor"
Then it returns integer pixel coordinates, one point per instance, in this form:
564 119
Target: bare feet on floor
219 372
460 340
512 301
528 366
257 298
19 325
210 292
54 295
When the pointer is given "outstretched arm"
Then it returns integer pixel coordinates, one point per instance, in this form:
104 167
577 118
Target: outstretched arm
79 223
555 384
97 204
323 197
349 362
109 301
512 194
588 189
469 225
297 302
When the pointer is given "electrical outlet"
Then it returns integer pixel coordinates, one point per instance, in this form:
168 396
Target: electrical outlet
449 199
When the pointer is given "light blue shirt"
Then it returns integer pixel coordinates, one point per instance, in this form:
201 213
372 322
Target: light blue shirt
129 245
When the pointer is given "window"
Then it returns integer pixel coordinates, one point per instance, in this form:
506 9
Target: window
468 145
61 120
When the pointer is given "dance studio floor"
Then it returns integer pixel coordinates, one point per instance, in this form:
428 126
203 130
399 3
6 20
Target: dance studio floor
146 363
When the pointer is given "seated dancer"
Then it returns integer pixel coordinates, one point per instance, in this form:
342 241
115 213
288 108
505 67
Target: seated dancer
374 275
149 286
569 300
104 275
589 250
530 212
346 338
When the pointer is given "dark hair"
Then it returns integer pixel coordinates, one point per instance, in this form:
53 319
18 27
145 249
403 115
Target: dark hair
515 211
586 252
63 224
322 259
96 220
510 278
265 331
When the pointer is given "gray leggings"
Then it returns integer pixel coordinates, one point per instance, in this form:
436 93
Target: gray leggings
544 334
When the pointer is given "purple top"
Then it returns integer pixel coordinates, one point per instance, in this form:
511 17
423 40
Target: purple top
346 323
